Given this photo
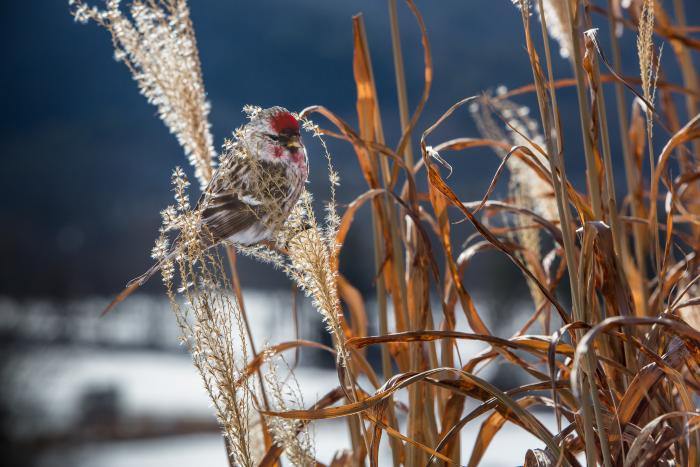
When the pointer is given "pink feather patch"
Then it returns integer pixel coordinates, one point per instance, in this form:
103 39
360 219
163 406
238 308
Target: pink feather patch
285 121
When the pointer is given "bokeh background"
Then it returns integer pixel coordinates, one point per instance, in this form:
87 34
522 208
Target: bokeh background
86 169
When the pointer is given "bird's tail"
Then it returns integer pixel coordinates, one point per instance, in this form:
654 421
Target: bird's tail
132 285
137 282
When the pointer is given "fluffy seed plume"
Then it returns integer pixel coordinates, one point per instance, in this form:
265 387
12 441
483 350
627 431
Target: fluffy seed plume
156 41
526 187
554 14
558 24
521 130
645 50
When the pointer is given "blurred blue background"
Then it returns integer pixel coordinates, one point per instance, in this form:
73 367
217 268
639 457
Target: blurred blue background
86 161
86 169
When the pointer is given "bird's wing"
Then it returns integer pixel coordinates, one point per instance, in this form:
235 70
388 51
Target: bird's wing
229 206
229 212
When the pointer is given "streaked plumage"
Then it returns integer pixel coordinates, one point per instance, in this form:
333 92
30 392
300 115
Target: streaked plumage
258 182
251 201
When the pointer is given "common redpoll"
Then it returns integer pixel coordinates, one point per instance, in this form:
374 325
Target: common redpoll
251 194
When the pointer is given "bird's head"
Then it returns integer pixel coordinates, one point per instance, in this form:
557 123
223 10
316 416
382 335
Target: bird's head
274 135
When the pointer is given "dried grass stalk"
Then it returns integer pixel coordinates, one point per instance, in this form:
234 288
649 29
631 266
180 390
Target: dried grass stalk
210 321
649 73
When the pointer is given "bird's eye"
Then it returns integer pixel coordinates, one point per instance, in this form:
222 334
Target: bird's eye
272 137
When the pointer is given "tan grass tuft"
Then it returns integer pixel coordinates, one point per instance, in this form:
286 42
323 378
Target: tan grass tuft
645 51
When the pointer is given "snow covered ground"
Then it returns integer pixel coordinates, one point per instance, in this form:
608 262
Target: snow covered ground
113 354
160 383
508 449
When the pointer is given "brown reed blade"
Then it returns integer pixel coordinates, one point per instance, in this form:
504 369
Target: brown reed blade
437 182
258 360
488 430
535 344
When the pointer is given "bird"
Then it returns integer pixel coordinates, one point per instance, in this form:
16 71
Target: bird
253 190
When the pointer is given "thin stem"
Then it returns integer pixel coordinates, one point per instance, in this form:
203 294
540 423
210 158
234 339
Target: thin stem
688 71
611 198
384 211
557 168
591 166
412 317
235 282
630 171
400 77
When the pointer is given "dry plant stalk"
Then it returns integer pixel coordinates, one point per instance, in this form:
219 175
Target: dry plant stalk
649 73
210 321
156 42
619 372
212 328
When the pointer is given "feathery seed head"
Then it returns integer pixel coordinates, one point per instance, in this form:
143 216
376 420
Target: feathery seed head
155 40
558 24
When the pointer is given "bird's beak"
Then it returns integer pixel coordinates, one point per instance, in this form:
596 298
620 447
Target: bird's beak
294 143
